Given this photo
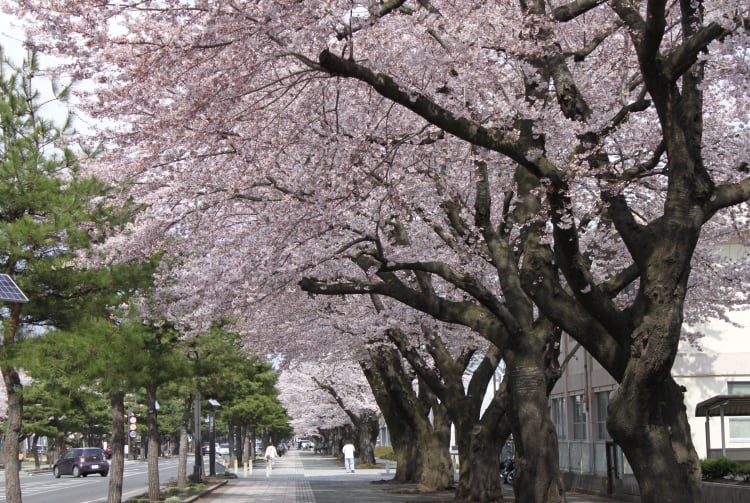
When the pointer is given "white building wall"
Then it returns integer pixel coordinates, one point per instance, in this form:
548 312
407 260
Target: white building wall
721 356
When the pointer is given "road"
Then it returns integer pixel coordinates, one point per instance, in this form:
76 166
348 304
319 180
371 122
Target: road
44 487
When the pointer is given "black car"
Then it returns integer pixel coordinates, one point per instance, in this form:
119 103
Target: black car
81 461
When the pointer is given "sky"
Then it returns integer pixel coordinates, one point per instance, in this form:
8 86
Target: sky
12 38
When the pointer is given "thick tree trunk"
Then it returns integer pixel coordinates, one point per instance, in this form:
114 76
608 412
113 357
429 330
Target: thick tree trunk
153 446
479 473
404 440
366 431
117 462
13 389
434 457
381 373
537 476
648 420
420 447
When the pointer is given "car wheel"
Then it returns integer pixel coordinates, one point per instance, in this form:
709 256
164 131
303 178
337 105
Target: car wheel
56 472
76 471
103 474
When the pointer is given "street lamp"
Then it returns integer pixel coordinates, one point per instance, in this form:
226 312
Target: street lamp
212 437
198 468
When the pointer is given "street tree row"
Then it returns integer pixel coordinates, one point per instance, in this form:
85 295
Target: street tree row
87 331
510 169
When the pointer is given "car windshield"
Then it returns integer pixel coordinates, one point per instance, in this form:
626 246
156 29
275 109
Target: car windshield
91 452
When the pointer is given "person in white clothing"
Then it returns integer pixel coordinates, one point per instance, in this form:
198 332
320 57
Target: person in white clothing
348 451
270 455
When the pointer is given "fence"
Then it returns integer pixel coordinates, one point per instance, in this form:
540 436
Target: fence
590 457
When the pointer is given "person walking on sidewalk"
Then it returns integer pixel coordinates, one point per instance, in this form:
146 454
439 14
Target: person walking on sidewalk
348 451
271 454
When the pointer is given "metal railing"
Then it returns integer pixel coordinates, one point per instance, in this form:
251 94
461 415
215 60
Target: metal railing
585 456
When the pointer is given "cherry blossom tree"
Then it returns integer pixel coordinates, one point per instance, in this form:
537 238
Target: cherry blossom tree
598 147
419 443
311 408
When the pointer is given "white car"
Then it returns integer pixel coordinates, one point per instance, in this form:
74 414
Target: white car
222 449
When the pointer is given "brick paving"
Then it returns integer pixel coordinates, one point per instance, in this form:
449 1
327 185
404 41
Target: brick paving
303 477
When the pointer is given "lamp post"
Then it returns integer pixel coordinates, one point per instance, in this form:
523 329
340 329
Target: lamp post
212 437
198 467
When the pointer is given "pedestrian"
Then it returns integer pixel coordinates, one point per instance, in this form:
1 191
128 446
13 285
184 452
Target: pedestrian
270 455
348 451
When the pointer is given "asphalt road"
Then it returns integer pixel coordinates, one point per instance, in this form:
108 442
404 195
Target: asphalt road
45 488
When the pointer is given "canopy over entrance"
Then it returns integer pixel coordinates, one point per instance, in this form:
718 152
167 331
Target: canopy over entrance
722 406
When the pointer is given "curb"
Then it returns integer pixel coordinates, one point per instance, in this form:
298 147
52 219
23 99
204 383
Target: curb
204 492
196 497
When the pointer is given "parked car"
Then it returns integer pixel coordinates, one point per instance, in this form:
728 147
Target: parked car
223 450
206 448
81 461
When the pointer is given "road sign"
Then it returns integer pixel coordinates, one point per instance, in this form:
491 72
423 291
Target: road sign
132 419
132 434
132 427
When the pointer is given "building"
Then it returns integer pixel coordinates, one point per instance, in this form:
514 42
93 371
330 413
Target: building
716 365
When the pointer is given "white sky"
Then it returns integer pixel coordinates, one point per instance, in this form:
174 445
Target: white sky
12 38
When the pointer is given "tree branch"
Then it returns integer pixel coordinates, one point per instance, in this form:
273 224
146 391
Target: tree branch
728 195
686 54
574 9
496 139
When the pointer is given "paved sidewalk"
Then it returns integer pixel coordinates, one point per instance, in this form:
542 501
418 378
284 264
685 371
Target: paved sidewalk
303 477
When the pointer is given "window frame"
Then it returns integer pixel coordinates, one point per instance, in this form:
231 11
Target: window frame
559 418
579 416
741 422
601 414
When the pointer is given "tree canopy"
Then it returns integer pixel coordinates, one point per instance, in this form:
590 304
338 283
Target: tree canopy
482 163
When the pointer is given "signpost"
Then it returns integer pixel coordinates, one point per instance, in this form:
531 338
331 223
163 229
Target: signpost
132 434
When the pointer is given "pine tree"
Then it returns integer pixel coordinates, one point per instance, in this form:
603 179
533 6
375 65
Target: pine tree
47 219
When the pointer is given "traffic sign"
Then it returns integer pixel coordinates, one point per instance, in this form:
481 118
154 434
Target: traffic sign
132 427
132 434
132 419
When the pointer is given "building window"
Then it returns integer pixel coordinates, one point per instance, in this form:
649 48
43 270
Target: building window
739 388
558 417
578 406
601 399
739 427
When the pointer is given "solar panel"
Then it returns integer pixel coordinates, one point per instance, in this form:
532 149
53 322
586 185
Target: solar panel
9 291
